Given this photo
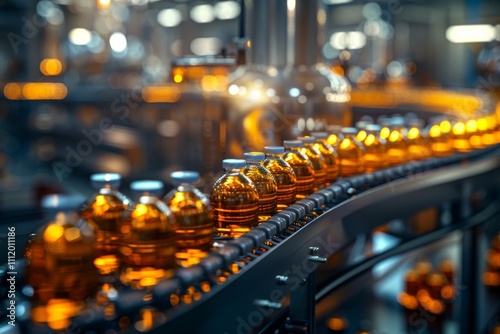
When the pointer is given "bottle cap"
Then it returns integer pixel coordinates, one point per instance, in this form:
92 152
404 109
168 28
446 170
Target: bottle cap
292 143
102 180
373 127
254 156
307 140
366 118
180 177
62 202
334 128
274 149
361 125
153 187
397 121
349 131
233 163
320 135
416 122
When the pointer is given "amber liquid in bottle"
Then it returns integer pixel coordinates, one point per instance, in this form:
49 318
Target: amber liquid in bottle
302 168
351 153
374 147
61 267
397 142
104 211
335 135
317 160
265 183
283 174
235 201
193 214
440 138
330 155
419 146
147 247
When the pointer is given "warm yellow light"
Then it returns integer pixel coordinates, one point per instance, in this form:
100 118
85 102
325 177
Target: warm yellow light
369 140
53 233
12 91
394 136
445 126
361 135
482 124
35 91
435 131
50 66
471 126
178 78
385 132
72 234
413 133
103 4
169 94
459 128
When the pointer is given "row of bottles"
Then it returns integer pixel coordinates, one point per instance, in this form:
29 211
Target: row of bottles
429 288
112 241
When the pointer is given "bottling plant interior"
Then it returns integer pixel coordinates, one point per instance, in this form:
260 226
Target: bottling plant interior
250 166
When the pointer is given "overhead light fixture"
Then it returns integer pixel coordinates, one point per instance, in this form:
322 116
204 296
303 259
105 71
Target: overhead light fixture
471 33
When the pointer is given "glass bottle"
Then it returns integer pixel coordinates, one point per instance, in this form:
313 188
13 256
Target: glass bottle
335 136
317 160
351 154
441 146
235 201
361 126
61 268
265 183
104 211
460 140
374 147
283 174
418 144
397 142
193 214
302 167
147 247
330 155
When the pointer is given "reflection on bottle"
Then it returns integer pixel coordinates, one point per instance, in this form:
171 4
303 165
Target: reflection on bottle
235 201
351 153
265 183
193 213
147 247
317 160
283 174
61 268
302 168
104 211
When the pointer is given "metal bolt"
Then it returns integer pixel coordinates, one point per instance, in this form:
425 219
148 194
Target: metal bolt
313 250
317 259
281 280
267 304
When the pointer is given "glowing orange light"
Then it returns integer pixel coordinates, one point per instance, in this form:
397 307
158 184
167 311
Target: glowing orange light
12 91
337 324
53 233
50 66
35 91
169 94
178 78
103 4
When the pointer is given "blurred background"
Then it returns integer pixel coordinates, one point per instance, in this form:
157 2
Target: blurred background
135 86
